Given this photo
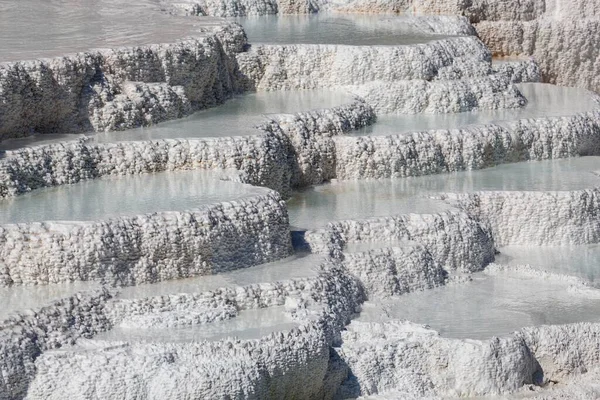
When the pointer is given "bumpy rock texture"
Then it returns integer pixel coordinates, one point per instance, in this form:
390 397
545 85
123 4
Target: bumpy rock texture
560 35
261 159
317 357
312 147
409 361
442 96
24 336
564 48
220 8
147 248
120 88
294 361
395 270
471 147
286 155
537 218
276 67
418 363
454 240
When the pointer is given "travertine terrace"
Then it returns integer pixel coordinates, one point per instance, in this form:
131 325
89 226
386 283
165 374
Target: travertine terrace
274 199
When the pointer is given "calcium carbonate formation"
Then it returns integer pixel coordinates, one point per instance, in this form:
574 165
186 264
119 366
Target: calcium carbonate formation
324 205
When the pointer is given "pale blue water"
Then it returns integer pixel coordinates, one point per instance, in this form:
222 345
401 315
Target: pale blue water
488 306
355 199
340 29
99 199
579 261
32 29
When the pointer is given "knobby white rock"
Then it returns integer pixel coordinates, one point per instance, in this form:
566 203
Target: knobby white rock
165 262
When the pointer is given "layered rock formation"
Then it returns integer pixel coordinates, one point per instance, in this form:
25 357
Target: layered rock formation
119 88
560 36
169 312
147 248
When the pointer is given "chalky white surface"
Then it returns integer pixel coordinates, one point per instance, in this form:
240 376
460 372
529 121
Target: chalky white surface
276 67
129 250
238 116
290 317
119 87
543 100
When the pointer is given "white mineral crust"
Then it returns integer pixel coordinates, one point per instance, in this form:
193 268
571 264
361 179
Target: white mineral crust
201 316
